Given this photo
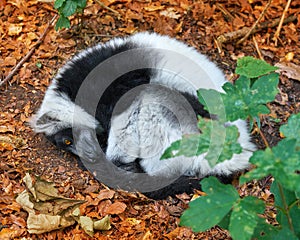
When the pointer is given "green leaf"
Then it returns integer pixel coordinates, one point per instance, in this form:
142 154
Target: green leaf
264 231
282 161
212 101
237 99
292 129
244 217
62 22
241 99
59 3
81 3
224 223
253 68
206 212
264 89
39 64
171 151
218 142
222 149
69 8
290 199
284 234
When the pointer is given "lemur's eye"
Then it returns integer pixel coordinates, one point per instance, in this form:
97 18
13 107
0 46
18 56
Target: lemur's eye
67 142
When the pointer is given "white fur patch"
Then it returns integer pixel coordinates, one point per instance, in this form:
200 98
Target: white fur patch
61 113
186 61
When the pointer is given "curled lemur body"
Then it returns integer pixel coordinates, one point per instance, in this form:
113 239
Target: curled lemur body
161 106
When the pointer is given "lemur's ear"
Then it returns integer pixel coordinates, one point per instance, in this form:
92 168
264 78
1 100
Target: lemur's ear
44 123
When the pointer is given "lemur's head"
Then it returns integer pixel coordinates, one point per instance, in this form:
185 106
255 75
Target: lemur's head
66 124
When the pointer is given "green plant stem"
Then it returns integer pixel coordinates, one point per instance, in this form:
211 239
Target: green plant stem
294 203
285 206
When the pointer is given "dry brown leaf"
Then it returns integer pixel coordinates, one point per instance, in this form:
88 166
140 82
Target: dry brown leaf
116 208
153 8
47 218
133 221
13 206
18 221
9 61
89 225
289 69
10 142
7 128
147 236
11 233
45 223
106 194
170 13
15 29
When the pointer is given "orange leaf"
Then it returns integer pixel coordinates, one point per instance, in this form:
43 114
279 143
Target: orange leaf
116 208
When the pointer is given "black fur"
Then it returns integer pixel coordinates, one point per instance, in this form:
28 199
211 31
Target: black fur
59 139
78 69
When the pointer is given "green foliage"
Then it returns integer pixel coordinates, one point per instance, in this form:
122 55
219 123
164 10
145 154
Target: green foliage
246 99
223 201
66 8
292 129
243 99
288 205
218 142
205 212
281 162
253 68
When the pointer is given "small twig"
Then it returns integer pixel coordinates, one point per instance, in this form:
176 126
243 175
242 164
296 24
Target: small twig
261 134
218 46
108 8
227 14
232 36
276 35
257 48
28 55
256 23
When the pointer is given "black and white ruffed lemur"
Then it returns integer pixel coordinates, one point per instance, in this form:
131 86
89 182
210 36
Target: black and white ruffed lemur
135 138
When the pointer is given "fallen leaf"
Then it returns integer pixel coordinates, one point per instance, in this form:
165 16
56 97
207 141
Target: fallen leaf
14 29
18 220
47 210
106 194
170 13
11 233
87 224
10 142
116 208
147 236
103 224
153 8
289 69
41 223
7 128
133 221
10 61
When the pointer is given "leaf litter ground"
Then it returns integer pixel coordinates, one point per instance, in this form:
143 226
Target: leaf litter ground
198 23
